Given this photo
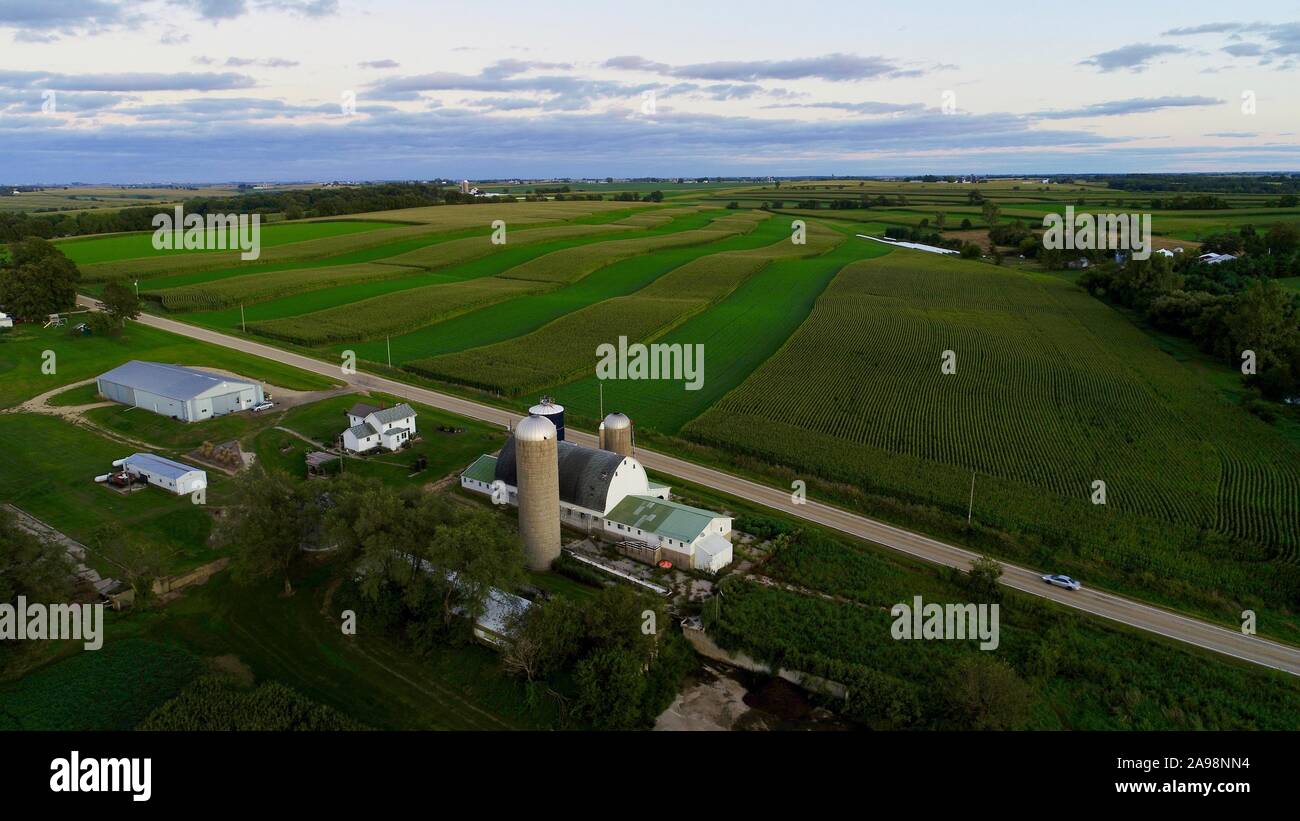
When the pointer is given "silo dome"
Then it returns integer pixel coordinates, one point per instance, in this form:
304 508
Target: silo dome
552 411
616 421
535 429
615 434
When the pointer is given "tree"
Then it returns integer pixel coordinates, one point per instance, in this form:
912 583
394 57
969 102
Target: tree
982 693
610 689
481 555
1283 238
30 566
982 579
543 639
266 525
37 279
138 562
990 211
120 303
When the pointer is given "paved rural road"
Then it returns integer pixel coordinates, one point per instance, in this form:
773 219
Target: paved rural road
1126 611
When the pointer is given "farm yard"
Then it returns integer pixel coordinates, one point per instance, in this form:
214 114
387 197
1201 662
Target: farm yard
821 360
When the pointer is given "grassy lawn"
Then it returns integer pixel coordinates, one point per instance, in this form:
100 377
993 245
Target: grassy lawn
22 353
49 472
369 677
324 421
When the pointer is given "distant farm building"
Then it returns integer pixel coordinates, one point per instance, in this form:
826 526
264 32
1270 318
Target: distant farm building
161 472
371 427
182 393
1215 259
6 321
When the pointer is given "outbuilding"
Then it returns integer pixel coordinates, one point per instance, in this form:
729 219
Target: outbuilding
162 472
181 393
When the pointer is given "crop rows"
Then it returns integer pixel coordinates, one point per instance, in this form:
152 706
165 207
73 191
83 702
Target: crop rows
567 346
252 288
1052 392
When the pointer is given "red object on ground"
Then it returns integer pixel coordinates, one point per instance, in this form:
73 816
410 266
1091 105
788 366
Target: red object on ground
665 564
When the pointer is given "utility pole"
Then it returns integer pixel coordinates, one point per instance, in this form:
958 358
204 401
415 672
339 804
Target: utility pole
971 509
137 289
243 326
601 385
388 341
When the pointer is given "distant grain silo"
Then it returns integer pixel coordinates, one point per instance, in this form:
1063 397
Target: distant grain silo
616 434
553 412
539 490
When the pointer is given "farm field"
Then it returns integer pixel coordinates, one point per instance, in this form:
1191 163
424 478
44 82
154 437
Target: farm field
1053 390
87 251
520 316
499 277
569 343
739 333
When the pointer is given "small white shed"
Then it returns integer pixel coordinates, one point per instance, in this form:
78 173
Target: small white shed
164 473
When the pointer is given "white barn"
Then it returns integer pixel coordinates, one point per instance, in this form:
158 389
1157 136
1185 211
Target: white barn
182 393
609 496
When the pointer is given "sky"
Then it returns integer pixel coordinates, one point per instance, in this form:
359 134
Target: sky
186 91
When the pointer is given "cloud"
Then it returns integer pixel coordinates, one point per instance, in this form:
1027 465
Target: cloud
263 62
1235 134
378 64
218 10
831 67
563 91
866 107
180 81
1134 57
42 21
1133 105
1244 49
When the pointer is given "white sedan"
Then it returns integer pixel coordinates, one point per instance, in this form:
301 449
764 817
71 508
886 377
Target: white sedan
1062 581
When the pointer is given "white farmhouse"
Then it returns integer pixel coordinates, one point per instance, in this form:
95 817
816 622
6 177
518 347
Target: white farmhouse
371 427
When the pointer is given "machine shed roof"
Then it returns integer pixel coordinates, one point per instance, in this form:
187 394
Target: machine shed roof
172 381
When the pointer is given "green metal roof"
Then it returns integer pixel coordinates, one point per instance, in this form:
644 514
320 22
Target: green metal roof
671 520
483 470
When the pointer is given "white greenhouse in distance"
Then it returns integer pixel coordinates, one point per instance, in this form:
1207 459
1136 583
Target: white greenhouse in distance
371 427
181 393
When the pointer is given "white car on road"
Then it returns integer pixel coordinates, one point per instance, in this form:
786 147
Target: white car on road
261 406
1062 581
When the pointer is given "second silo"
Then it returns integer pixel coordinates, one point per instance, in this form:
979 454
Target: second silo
555 413
616 434
538 474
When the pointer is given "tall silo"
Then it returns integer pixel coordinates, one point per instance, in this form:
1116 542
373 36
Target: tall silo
553 412
538 474
616 434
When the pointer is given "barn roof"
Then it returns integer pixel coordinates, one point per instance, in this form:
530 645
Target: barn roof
172 381
672 520
585 473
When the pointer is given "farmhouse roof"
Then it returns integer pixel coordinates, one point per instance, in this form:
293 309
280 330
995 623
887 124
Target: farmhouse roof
396 412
